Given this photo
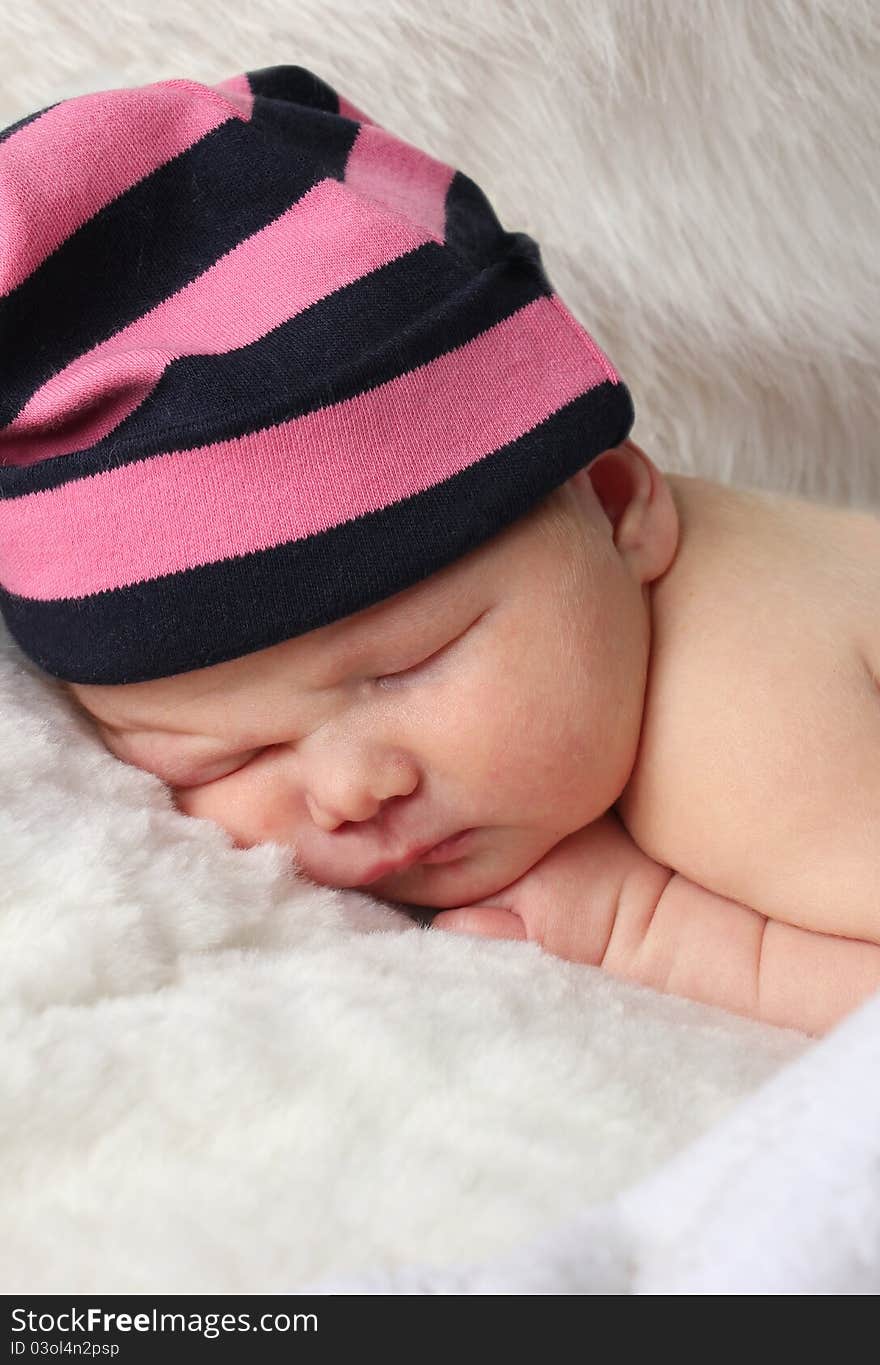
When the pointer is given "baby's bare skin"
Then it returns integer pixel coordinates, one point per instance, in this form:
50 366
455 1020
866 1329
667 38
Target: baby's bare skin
659 713
741 864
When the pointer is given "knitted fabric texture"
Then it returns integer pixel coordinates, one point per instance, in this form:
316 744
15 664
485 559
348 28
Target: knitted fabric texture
264 364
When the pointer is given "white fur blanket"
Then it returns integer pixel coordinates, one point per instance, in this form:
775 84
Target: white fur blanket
214 1076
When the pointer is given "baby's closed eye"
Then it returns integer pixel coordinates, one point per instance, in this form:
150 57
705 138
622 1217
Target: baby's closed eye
168 758
185 760
200 774
427 662
420 667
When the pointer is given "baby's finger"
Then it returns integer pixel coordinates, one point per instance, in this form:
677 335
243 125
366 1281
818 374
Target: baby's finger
486 921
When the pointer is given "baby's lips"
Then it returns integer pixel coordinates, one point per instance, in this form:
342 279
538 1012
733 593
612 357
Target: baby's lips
455 846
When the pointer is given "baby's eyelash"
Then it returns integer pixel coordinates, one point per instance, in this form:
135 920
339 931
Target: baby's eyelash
411 668
430 658
199 776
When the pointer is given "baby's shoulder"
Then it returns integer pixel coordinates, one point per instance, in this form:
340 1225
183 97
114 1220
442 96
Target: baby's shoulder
758 769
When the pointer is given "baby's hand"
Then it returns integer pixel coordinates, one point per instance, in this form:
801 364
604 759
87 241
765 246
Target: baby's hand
597 898
570 901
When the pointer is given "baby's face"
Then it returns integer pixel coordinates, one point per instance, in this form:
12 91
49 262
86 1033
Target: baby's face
502 696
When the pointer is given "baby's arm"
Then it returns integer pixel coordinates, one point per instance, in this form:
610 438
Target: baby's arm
709 948
597 898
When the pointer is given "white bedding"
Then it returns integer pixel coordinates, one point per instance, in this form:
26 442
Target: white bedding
216 1077
781 1196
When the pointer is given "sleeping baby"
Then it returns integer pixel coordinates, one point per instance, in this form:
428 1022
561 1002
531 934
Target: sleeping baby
368 566
640 727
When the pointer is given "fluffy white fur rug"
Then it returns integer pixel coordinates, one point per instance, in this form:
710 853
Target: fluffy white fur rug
215 1077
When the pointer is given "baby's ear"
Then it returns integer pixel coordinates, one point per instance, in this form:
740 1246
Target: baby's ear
638 503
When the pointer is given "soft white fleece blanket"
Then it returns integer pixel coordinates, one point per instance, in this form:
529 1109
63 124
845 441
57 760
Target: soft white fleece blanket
782 1196
216 1077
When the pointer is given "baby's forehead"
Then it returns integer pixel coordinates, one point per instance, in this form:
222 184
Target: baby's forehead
316 658
305 662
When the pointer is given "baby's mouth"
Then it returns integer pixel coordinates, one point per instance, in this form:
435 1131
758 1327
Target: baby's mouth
449 849
453 846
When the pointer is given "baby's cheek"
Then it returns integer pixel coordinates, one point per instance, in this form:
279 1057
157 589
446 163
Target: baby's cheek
256 804
224 806
572 764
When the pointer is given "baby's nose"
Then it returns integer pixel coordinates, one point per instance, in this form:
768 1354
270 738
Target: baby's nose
330 819
356 797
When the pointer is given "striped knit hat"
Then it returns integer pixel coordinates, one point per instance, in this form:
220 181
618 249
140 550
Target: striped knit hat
263 364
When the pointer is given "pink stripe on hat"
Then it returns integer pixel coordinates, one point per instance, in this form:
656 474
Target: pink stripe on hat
225 307
400 176
174 511
61 169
